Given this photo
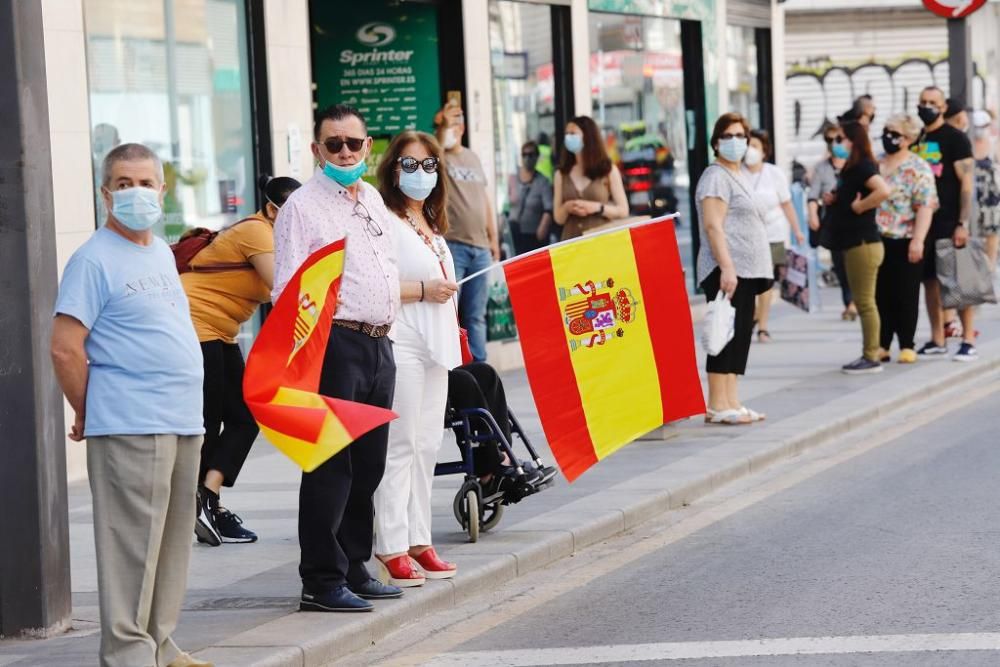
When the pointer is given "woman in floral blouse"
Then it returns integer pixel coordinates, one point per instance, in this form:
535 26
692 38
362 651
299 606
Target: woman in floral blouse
903 220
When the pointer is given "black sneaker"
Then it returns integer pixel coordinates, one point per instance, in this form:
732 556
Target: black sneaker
932 350
862 366
230 527
204 524
966 352
339 599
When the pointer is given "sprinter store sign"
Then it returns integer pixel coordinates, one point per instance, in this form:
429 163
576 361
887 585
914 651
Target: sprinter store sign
382 61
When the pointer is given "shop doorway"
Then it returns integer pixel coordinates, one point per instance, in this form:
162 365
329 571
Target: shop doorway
532 84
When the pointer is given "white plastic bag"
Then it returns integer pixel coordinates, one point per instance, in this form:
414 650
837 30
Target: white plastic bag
720 320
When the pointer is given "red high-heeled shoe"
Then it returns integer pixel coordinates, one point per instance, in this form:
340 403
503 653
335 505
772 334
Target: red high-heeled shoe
432 566
403 572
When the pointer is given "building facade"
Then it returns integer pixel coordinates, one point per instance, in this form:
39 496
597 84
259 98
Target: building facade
225 90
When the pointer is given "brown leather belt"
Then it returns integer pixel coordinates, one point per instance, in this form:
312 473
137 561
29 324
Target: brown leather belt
373 330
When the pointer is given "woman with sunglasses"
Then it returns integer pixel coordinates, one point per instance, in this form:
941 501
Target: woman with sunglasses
903 221
425 339
734 258
860 191
588 189
229 278
822 193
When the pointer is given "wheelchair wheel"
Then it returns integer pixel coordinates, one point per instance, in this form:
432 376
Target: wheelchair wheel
466 509
491 516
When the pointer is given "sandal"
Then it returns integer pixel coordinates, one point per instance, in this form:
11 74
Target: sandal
763 336
726 417
753 414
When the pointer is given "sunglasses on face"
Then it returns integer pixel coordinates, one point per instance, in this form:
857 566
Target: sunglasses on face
410 164
334 144
834 139
528 156
730 135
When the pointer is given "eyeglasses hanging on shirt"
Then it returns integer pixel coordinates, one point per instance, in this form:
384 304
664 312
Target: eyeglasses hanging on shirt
362 212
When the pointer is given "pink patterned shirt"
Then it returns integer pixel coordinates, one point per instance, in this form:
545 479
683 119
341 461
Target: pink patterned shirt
321 212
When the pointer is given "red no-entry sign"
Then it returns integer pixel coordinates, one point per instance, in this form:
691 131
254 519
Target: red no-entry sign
953 9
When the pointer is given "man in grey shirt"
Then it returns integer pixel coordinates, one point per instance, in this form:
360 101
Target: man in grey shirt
530 194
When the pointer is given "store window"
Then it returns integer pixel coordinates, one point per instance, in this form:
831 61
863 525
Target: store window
637 79
741 73
524 103
174 75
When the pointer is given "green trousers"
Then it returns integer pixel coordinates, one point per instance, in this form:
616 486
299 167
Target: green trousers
861 263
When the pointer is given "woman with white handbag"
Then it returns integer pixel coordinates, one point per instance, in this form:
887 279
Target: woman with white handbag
735 260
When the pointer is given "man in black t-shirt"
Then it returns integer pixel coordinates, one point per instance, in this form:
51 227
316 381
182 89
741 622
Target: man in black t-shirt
949 153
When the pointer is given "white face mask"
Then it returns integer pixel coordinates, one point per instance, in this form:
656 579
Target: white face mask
753 157
450 139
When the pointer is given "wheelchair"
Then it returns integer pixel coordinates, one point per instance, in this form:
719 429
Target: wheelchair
478 507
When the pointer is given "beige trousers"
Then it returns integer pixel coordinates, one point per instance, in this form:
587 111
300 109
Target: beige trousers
143 488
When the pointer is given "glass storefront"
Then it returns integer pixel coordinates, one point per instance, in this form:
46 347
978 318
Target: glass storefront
174 75
523 92
741 73
638 100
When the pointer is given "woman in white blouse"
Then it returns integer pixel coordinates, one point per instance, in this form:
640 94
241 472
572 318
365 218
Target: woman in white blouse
426 346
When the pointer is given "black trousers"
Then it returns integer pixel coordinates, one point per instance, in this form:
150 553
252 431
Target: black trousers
897 294
230 429
336 510
525 242
733 357
840 271
478 385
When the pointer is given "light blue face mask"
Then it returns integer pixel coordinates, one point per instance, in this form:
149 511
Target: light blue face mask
419 185
733 149
840 151
137 208
573 143
346 176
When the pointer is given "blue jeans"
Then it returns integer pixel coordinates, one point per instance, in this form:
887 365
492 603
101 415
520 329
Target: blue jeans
473 294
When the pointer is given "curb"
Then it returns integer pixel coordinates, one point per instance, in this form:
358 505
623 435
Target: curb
296 641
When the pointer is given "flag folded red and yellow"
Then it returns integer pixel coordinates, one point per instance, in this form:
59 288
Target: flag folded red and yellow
282 376
605 328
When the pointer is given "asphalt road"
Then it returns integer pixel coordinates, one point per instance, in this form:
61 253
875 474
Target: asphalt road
895 548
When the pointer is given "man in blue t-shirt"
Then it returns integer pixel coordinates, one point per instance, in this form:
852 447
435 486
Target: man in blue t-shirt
127 358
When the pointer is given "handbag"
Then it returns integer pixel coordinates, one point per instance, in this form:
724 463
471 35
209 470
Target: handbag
463 333
964 274
720 321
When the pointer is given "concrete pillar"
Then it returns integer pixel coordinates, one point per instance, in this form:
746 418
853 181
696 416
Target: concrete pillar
34 554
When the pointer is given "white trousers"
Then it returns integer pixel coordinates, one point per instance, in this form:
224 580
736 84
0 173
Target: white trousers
403 499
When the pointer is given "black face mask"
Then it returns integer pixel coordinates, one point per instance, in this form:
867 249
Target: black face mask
890 142
529 162
928 114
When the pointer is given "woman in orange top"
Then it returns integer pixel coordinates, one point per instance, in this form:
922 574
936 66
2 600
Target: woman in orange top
229 278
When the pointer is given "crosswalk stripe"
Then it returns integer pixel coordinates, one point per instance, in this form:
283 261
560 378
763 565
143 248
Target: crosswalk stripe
789 646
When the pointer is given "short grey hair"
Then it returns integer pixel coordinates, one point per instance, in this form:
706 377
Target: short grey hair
129 153
909 126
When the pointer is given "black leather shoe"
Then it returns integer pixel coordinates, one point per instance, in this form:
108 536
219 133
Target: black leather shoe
373 589
339 599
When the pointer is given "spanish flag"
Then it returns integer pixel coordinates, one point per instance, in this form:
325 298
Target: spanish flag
281 381
605 328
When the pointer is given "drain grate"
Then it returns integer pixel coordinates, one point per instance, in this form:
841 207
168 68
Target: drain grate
218 604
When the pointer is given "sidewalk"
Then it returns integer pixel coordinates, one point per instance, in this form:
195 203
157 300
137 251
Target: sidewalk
241 598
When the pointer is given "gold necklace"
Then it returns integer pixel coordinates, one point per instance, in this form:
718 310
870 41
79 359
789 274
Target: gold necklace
436 245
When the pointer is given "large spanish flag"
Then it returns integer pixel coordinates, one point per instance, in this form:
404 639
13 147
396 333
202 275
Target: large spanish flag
281 381
605 328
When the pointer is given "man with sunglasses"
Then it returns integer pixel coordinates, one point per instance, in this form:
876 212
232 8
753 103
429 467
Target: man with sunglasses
336 510
472 232
530 195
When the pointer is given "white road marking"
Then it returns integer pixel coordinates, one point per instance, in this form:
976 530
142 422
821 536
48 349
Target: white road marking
582 655
431 648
